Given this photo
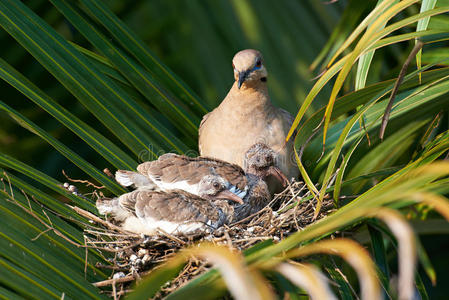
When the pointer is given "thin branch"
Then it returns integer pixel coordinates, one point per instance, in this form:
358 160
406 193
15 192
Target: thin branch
117 280
418 46
10 185
88 183
85 257
108 173
319 75
41 233
114 291
96 219
314 132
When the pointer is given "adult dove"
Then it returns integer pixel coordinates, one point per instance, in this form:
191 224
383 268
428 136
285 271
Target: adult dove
246 116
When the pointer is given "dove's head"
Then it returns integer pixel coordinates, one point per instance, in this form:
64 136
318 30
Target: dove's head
214 187
261 160
259 195
249 68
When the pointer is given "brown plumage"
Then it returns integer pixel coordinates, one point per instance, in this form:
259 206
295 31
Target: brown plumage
172 171
175 206
257 198
172 167
201 176
175 212
246 116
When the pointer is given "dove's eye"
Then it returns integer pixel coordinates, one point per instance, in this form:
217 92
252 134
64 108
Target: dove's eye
258 64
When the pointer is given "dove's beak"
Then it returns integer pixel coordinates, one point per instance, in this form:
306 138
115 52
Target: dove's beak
242 77
277 173
228 195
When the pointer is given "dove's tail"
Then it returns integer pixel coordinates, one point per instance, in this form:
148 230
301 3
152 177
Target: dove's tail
130 178
112 208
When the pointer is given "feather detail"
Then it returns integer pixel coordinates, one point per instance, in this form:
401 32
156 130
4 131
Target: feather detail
175 212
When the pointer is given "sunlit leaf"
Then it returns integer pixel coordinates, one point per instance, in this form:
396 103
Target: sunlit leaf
354 254
309 278
407 249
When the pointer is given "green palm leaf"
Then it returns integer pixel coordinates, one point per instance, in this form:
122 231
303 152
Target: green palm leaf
72 156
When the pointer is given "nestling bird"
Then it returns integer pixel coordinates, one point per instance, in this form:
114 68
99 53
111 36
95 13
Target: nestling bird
172 171
261 161
175 212
246 116
257 158
257 198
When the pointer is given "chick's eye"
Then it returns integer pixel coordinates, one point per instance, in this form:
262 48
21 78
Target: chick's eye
216 185
258 63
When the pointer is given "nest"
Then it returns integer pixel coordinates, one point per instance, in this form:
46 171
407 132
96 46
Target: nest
136 255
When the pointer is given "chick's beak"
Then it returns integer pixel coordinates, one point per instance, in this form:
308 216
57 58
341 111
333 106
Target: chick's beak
277 173
227 194
242 77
